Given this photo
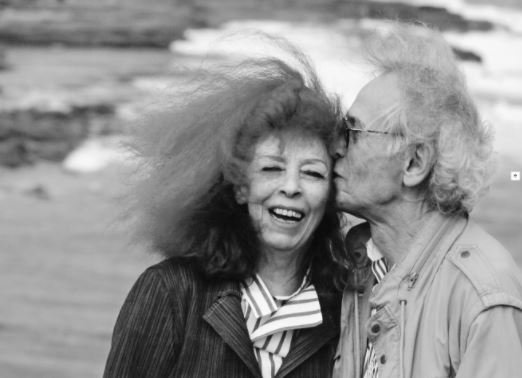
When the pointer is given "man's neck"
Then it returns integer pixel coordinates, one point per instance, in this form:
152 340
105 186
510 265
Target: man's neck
393 235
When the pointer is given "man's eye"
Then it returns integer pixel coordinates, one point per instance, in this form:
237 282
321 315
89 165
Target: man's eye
354 134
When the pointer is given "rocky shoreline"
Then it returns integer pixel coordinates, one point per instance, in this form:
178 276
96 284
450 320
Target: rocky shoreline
32 134
158 22
27 136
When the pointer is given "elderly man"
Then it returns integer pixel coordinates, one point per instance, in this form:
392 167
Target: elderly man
438 296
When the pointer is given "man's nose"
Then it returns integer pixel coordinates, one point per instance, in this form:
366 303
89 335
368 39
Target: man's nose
340 149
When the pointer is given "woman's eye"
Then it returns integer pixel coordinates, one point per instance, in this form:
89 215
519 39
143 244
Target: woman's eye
314 174
271 168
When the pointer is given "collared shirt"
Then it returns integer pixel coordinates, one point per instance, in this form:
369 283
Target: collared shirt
379 270
271 321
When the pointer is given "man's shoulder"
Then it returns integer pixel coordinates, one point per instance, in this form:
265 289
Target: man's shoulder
488 267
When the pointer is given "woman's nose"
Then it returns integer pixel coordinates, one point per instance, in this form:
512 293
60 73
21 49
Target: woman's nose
291 185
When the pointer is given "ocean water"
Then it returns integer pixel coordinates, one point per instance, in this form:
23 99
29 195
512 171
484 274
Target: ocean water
497 3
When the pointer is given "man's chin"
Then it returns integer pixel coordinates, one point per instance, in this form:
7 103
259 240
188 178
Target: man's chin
348 207
342 204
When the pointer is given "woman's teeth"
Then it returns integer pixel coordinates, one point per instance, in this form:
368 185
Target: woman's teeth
287 214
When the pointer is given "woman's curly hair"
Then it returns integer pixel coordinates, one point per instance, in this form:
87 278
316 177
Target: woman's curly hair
193 154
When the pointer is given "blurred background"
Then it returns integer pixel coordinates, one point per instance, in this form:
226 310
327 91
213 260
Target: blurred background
74 74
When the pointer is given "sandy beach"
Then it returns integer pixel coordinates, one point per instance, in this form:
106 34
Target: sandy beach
65 270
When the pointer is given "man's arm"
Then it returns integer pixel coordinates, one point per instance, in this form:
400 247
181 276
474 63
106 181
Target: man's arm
494 345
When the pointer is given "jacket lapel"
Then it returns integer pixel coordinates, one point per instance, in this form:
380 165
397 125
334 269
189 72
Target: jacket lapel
226 318
308 341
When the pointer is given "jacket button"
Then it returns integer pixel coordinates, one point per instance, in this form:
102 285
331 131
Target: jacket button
376 328
464 254
383 359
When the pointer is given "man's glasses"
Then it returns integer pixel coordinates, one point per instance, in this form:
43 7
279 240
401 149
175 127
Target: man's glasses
353 124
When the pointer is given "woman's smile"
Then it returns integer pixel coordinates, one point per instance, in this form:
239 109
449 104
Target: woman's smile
286 215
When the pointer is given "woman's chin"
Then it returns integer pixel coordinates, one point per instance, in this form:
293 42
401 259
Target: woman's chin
284 244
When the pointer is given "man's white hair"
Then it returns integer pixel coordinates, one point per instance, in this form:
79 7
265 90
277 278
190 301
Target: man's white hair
436 109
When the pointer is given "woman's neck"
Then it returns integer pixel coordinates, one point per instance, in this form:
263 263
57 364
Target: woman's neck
280 271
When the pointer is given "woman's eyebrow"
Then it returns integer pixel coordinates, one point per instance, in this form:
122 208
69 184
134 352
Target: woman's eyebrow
272 157
314 160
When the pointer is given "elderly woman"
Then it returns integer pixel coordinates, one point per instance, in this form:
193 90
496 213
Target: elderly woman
442 294
237 195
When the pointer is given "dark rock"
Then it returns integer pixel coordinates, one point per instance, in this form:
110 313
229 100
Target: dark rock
3 59
466 55
437 17
13 153
39 191
100 23
27 136
216 11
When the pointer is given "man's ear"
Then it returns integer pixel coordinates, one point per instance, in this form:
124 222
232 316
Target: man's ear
418 164
241 194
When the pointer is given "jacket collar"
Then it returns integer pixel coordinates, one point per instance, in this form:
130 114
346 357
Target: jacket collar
225 316
426 252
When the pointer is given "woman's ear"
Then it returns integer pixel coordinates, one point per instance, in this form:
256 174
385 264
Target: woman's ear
418 165
241 194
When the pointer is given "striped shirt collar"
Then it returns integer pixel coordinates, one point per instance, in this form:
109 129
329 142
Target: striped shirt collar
262 302
372 251
301 309
271 321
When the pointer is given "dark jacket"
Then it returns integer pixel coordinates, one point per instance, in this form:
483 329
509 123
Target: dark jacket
176 323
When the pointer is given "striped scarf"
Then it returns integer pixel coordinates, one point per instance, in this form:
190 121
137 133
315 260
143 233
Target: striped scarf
271 321
371 367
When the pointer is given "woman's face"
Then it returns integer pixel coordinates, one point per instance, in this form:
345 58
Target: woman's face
289 182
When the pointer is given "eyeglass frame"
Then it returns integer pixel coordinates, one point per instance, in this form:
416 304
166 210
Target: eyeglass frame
347 129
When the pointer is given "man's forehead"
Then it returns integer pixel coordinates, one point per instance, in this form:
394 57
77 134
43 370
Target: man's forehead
376 98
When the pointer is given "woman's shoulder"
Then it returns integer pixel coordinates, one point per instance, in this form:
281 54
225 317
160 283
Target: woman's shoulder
174 272
180 281
183 274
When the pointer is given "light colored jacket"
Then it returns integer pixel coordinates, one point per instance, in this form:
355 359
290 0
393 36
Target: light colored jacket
451 308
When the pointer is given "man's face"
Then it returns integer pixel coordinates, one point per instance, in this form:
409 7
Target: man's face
369 175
